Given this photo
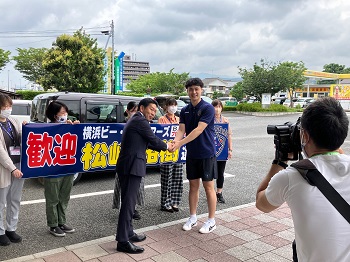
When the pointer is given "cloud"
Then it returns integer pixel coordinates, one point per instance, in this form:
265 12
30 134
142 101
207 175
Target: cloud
192 36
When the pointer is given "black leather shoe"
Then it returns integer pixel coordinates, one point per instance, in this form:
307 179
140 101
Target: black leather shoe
4 240
14 238
136 215
176 209
137 238
128 247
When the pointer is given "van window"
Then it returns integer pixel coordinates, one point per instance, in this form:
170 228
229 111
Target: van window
101 113
22 110
73 109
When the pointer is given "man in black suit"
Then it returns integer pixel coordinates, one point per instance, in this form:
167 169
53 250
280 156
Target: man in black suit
131 167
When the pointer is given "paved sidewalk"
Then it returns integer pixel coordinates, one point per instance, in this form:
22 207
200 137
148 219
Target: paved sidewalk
243 234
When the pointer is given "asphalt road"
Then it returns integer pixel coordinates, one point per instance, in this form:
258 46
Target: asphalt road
90 209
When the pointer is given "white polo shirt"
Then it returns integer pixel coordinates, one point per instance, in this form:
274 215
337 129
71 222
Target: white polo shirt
321 232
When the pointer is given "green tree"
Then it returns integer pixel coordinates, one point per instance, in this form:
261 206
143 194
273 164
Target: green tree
260 79
272 77
237 91
4 58
74 64
335 68
160 83
30 63
290 76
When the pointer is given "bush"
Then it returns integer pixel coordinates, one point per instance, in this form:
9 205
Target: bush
256 107
29 95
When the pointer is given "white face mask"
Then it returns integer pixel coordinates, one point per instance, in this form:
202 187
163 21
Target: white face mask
172 109
5 113
62 119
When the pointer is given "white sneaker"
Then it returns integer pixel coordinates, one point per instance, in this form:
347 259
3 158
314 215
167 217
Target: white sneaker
207 228
189 224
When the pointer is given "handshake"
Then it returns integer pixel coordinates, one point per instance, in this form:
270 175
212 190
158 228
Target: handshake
173 146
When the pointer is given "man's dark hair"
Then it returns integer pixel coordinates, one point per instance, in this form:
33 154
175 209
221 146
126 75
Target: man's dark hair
194 82
145 102
326 122
5 100
53 109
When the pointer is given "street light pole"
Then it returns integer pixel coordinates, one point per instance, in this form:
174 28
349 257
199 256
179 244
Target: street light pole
113 77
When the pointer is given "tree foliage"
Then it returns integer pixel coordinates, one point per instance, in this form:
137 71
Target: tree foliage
4 58
271 77
30 63
74 64
336 69
159 83
237 91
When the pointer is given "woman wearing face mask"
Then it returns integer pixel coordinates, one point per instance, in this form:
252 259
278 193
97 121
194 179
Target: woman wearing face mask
171 174
10 183
217 104
57 189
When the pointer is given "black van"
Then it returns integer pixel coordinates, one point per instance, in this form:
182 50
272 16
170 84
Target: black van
87 108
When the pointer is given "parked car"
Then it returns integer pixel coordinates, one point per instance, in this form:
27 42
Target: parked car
279 100
21 109
302 101
187 99
308 102
87 108
180 105
287 102
162 98
228 101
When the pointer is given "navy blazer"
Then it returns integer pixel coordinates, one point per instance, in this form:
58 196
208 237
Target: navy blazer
137 136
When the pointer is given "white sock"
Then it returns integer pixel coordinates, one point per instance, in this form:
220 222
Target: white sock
193 218
211 221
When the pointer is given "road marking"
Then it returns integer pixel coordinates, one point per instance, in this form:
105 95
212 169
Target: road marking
38 201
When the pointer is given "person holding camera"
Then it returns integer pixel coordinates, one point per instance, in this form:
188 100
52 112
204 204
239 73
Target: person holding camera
321 232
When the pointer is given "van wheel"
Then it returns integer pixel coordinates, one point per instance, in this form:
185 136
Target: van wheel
76 178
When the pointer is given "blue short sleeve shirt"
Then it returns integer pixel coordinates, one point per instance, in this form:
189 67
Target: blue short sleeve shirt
203 146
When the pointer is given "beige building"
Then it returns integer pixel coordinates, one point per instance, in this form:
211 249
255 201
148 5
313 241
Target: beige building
212 85
132 69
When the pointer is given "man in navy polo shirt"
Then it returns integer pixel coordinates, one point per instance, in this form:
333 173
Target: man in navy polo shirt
197 122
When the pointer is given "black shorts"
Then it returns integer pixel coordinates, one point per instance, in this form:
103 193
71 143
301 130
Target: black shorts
201 168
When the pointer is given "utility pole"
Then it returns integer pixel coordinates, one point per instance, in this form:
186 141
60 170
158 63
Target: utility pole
112 67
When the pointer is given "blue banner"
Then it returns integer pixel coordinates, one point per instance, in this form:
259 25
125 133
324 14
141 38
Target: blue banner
60 149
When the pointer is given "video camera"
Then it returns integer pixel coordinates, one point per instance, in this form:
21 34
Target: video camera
286 140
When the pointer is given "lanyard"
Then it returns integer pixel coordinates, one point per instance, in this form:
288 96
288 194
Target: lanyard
168 119
9 131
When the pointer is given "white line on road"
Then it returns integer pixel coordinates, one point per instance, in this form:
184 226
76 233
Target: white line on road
37 201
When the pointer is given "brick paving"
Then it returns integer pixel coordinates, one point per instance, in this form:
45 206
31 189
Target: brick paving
243 234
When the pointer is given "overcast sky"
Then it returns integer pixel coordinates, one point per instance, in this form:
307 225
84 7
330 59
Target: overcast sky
196 36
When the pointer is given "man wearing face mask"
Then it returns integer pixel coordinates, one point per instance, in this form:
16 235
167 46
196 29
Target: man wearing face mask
171 183
10 183
321 232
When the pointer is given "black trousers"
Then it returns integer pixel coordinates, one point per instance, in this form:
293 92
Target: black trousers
221 170
129 186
